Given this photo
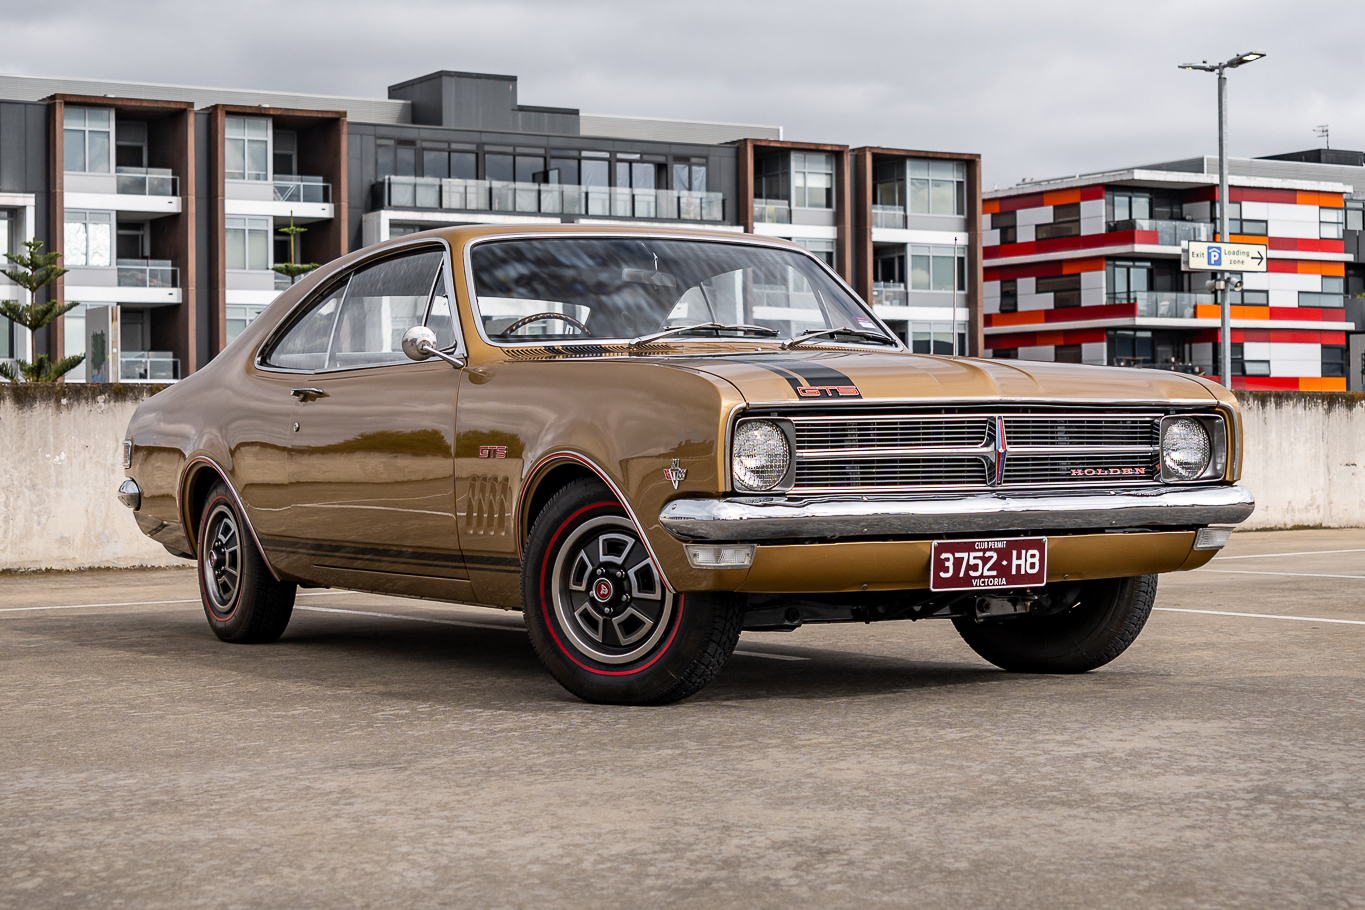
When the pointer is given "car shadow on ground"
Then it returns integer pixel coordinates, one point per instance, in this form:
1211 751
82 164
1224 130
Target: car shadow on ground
466 664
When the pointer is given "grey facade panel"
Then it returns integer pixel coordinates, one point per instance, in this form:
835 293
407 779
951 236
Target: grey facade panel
23 148
616 127
375 110
1275 169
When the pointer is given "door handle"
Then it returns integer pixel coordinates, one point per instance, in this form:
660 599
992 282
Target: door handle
308 394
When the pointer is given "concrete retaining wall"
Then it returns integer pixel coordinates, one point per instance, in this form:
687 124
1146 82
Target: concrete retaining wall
1305 458
60 466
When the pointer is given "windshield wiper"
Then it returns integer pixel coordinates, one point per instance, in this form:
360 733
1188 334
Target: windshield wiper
843 330
717 327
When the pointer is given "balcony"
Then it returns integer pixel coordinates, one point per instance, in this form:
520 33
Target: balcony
301 188
888 216
1169 233
546 198
147 273
885 293
772 211
1162 304
148 366
146 181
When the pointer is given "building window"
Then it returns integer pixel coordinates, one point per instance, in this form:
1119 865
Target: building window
1009 296
935 338
1005 354
1334 360
395 158
246 149
285 159
931 268
823 249
639 175
1330 223
938 187
1250 227
772 178
888 178
1249 298
1142 205
1066 222
248 243
6 327
1243 367
1067 353
812 180
130 144
239 316
690 174
1065 290
88 239
87 139
441 161
1005 223
1355 215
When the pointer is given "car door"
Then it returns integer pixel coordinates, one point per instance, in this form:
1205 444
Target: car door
371 462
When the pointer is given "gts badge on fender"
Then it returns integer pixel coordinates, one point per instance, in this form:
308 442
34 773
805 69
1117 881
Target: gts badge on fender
828 391
675 474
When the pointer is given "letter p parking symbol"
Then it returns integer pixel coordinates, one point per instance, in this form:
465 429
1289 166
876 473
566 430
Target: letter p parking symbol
1215 255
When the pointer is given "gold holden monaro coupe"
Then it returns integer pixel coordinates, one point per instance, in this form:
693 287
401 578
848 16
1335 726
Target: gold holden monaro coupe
648 441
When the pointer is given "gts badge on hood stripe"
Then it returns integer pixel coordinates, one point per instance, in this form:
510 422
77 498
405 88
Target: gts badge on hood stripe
827 391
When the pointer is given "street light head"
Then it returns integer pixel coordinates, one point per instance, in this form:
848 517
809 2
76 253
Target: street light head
1203 67
1244 58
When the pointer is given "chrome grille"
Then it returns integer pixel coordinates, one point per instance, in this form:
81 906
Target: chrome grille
888 453
889 474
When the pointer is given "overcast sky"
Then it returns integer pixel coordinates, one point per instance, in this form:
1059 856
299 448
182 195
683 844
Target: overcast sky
1039 89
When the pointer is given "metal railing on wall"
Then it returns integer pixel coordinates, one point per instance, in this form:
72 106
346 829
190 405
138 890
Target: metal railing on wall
546 198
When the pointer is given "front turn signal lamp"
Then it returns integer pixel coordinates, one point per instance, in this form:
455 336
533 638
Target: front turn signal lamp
728 556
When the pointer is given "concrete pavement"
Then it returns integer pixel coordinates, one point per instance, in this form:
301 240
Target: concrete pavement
391 753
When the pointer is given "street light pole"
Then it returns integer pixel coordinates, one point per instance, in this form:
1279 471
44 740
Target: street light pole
1221 278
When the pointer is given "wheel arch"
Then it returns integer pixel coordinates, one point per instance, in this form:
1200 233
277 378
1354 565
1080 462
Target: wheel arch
199 476
551 474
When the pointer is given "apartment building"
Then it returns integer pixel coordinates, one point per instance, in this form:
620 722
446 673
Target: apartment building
1087 269
168 202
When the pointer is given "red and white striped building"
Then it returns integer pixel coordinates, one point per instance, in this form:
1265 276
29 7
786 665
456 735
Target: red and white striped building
1087 270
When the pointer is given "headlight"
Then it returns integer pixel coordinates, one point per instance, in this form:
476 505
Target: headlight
760 456
1186 449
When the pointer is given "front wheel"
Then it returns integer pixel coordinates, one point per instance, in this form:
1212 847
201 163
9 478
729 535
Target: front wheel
1094 630
599 615
242 600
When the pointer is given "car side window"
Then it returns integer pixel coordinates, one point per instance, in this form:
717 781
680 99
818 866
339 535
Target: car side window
382 302
361 320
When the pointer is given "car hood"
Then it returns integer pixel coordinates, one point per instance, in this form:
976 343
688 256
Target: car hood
788 376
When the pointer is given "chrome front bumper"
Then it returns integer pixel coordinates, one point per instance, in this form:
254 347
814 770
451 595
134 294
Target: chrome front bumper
758 519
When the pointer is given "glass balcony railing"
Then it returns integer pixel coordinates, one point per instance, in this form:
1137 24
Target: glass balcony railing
772 211
147 273
546 198
888 216
1169 233
301 188
146 181
148 366
1162 304
885 293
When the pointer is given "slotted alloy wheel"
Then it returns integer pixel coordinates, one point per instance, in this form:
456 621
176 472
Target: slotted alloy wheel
221 565
607 594
601 617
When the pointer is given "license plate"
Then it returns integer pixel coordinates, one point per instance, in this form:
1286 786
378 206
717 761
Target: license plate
1003 562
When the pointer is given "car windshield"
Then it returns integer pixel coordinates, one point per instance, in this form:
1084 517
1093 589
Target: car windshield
568 289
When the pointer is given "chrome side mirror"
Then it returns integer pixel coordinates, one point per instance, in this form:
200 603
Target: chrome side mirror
419 343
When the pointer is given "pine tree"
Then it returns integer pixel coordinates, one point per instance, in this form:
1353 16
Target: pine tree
35 271
293 268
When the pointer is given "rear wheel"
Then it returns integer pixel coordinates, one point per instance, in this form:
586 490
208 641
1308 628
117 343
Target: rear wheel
599 615
242 600
1097 628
